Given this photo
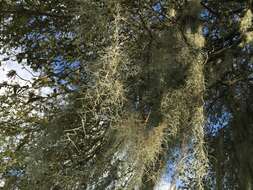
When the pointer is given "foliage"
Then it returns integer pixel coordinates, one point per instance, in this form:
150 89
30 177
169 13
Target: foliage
131 83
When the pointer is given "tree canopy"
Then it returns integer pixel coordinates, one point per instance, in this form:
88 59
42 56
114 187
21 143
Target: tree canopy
120 90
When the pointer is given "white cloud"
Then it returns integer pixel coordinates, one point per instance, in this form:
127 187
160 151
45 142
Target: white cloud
164 184
25 75
2 183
